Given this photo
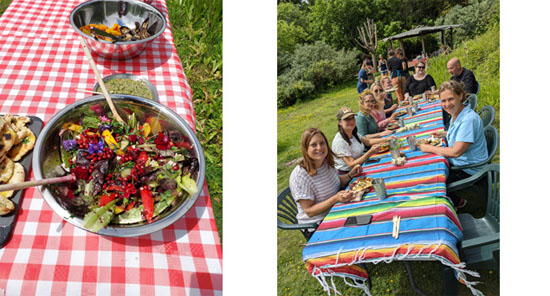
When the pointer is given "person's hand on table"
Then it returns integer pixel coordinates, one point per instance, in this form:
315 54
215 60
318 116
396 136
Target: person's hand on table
344 196
426 148
439 134
393 107
391 138
375 148
386 132
393 116
355 171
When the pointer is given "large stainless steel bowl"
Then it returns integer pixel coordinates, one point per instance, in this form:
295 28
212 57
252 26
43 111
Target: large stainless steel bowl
46 158
108 12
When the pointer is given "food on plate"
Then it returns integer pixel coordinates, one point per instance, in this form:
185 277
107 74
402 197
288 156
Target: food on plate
393 125
128 87
17 176
125 173
119 33
401 112
384 147
6 206
417 97
16 141
403 103
408 127
430 141
359 186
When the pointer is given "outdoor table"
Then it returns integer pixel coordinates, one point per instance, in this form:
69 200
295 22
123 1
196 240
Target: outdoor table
429 227
41 66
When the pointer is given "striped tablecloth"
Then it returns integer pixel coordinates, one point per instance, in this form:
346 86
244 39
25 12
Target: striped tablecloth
429 227
41 66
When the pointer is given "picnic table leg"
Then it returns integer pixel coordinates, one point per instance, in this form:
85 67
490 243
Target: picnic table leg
411 279
449 281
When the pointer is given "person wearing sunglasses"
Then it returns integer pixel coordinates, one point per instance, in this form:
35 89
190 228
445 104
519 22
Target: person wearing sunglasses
420 82
383 109
348 146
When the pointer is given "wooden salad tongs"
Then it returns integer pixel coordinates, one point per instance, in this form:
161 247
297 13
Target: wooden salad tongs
23 185
100 80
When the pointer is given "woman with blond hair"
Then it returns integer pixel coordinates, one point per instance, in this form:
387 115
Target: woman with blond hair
366 124
315 183
379 113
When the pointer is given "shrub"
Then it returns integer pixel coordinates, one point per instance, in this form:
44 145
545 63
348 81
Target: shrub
476 18
313 67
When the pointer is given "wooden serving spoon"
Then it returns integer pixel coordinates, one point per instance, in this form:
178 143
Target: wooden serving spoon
23 185
100 80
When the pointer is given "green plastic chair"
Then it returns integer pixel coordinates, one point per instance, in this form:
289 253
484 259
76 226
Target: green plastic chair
287 210
472 101
478 87
491 137
481 242
487 114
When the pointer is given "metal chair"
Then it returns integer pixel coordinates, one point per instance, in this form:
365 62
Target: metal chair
287 210
487 114
472 101
481 239
491 137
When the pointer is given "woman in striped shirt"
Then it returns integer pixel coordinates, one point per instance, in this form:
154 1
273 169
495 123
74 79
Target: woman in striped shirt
315 183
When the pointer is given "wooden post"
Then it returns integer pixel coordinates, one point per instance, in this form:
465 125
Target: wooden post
423 49
391 44
443 37
402 47
451 43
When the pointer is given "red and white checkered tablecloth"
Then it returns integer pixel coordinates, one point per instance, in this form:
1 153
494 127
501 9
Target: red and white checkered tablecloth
41 65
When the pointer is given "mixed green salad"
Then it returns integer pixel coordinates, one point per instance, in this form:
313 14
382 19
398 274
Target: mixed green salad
125 173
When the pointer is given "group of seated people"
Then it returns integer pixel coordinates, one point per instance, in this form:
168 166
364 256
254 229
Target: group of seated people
316 182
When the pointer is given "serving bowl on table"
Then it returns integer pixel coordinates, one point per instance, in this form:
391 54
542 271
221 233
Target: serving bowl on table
46 159
125 13
148 84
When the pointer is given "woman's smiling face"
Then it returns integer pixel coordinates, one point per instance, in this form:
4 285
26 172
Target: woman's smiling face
317 149
451 102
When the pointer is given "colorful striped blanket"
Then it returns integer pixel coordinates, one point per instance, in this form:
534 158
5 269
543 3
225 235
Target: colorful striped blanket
429 227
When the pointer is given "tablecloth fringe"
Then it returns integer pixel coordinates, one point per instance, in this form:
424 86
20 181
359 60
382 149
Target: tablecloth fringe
359 258
322 278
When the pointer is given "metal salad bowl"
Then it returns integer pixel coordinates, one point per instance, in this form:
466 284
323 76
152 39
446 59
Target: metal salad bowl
46 159
150 86
126 14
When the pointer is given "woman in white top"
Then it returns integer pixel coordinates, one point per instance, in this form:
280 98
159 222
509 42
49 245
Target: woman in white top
348 146
315 183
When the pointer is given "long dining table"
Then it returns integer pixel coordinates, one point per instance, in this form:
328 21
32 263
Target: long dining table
429 228
42 65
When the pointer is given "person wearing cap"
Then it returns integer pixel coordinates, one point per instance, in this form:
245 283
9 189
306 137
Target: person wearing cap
315 183
348 146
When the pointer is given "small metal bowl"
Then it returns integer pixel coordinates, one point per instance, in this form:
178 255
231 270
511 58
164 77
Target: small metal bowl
46 159
108 12
150 86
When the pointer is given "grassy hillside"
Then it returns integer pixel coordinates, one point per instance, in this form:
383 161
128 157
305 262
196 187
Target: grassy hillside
481 55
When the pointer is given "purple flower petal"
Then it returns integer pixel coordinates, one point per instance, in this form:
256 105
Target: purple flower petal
69 144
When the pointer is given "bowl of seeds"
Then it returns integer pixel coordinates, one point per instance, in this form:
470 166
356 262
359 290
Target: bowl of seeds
129 84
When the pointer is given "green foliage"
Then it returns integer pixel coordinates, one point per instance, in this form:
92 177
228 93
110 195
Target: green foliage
335 22
314 67
292 14
476 18
197 30
289 36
